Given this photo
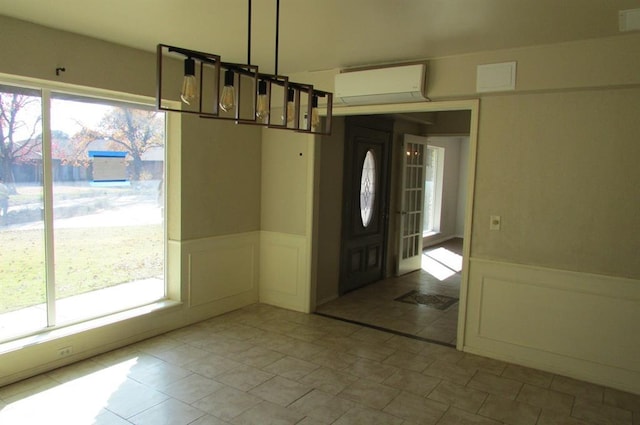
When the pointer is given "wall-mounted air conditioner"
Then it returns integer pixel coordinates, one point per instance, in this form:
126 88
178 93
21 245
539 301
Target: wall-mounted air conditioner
393 84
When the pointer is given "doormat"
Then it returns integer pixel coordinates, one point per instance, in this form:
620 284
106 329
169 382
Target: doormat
441 302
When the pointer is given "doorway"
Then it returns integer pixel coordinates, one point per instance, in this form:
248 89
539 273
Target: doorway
327 267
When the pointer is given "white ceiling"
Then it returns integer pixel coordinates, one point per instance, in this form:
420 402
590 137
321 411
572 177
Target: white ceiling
326 34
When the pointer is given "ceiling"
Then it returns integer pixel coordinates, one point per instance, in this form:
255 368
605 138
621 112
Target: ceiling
327 34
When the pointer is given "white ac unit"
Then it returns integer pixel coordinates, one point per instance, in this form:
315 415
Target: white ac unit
394 84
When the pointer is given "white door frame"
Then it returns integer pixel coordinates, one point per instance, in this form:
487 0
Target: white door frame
472 105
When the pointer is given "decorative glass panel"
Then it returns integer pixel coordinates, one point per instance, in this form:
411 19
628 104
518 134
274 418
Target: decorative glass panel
367 188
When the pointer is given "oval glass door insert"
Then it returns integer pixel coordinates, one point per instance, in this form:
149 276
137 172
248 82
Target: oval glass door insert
367 188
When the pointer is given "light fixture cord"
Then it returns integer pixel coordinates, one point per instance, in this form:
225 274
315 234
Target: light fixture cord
277 34
249 33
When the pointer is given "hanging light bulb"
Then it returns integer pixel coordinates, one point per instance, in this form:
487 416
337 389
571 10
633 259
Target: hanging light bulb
262 108
315 117
228 96
290 107
189 91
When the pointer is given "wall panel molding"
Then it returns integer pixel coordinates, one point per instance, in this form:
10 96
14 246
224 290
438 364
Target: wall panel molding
284 270
219 269
576 324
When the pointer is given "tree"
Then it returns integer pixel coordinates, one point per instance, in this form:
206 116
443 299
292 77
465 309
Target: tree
19 123
134 131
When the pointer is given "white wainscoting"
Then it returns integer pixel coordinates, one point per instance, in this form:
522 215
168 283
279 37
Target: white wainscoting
284 271
576 324
222 270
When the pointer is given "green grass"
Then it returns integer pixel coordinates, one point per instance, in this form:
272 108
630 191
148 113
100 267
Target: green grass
86 260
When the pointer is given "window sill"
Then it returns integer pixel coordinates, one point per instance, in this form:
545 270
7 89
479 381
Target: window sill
52 334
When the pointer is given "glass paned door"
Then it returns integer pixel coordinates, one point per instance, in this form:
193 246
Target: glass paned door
22 243
412 194
108 173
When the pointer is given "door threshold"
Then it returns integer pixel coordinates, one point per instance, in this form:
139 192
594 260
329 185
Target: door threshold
391 331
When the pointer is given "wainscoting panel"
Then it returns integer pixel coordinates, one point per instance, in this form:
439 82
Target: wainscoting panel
221 268
576 324
284 275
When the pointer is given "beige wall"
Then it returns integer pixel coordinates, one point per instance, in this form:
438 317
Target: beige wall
561 169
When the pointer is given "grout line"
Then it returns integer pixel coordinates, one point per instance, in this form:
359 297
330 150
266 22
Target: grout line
379 328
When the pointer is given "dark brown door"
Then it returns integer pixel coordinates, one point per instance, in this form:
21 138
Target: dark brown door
365 208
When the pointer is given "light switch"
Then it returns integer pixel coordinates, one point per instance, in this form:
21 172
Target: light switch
494 222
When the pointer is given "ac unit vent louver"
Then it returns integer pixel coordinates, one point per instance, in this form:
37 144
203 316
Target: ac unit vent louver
394 84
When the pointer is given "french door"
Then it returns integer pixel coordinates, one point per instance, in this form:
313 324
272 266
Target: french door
412 203
83 232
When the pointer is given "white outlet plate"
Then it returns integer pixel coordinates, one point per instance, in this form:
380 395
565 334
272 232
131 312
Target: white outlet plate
65 351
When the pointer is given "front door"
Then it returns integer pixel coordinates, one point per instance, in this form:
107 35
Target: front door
365 210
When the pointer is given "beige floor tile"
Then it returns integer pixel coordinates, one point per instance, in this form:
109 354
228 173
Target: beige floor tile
131 398
492 384
182 355
369 369
369 393
371 335
599 413
212 365
267 413
227 347
413 382
473 362
528 375
403 343
509 411
579 389
409 361
227 403
29 386
458 396
159 375
106 417
157 345
449 371
244 377
322 407
416 409
209 420
546 399
622 399
170 411
334 359
291 368
455 416
328 380
371 351
550 417
257 357
192 388
366 416
280 391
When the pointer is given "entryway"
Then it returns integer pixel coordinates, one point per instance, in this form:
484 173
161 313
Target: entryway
423 304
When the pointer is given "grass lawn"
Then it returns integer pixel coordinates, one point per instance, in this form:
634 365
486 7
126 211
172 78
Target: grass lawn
86 259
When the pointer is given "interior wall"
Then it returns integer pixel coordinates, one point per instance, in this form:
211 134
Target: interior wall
461 210
560 170
450 187
330 212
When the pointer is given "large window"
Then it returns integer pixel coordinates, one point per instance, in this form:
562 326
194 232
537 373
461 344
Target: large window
81 208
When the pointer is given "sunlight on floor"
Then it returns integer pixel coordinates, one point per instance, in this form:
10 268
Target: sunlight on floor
78 401
441 263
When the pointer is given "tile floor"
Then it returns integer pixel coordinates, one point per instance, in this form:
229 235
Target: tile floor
265 365
376 304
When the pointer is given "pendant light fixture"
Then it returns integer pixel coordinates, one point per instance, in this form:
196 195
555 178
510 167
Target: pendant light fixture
215 89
